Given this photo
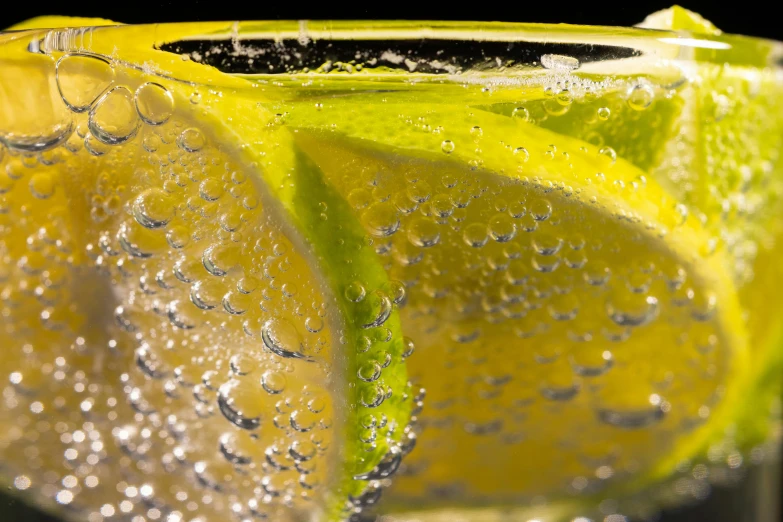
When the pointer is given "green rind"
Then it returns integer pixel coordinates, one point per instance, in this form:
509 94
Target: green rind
345 256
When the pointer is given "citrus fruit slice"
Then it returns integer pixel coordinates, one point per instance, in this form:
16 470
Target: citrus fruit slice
572 328
193 324
727 135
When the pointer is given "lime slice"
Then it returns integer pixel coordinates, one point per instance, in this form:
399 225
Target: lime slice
573 330
679 19
193 322
728 134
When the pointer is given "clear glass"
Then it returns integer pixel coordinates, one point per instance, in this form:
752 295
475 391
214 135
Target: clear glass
420 271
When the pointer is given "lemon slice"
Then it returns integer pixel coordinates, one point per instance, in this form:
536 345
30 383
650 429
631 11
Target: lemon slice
573 329
193 323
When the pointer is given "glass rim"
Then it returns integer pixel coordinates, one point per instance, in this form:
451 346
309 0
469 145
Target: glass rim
513 47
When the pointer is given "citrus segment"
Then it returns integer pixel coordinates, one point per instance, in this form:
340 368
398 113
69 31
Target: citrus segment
568 319
183 335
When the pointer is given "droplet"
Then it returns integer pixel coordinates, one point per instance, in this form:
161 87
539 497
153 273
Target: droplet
588 365
369 371
563 307
154 103
153 208
521 154
178 237
502 228
547 244
314 324
419 192
94 147
282 338
387 467
423 232
191 140
355 292
629 309
151 142
397 292
42 185
178 317
376 309
408 347
545 264
560 393
521 113
640 96
229 397
540 209
597 273
113 119
302 421
608 153
210 189
381 219
232 447
243 364
273 382
442 205
626 418
476 235
81 79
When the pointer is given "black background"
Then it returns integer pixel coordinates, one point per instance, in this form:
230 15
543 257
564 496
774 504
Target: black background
749 17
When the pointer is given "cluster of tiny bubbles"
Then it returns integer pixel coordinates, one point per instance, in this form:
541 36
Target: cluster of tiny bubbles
174 331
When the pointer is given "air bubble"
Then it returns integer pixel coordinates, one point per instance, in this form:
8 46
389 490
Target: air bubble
547 244
282 338
502 228
540 209
476 235
154 103
191 140
640 96
608 153
629 309
521 113
381 219
651 414
229 395
113 119
423 232
210 189
231 447
273 382
243 364
81 79
447 146
42 185
355 292
153 208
